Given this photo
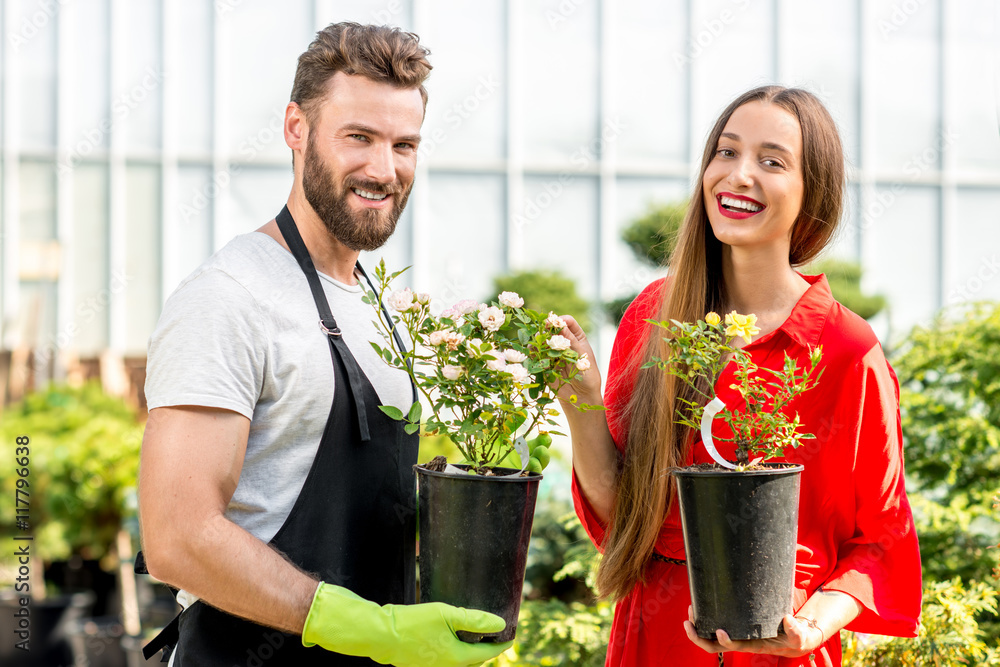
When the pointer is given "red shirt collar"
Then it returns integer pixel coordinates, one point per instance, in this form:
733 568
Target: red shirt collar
805 324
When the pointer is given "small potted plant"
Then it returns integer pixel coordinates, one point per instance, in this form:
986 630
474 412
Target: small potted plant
739 517
489 374
74 472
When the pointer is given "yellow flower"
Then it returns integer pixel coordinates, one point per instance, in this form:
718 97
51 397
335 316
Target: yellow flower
742 326
712 318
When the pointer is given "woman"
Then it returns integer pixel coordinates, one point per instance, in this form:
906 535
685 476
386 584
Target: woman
769 198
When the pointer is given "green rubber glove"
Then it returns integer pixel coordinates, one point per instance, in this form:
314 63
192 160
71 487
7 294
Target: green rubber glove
414 635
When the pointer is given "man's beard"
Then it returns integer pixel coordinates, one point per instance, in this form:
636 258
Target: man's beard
365 230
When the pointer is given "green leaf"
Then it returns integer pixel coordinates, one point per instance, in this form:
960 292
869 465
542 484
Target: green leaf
392 411
415 411
400 272
411 428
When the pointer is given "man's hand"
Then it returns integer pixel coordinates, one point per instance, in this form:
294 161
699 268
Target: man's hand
402 635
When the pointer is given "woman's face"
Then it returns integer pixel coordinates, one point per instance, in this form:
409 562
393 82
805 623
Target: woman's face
753 185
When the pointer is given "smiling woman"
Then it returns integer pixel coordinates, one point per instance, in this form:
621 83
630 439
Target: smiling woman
769 199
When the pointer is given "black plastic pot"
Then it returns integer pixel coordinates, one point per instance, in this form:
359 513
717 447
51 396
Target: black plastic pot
740 533
49 623
474 534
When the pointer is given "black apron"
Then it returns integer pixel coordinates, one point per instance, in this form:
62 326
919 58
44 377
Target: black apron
352 525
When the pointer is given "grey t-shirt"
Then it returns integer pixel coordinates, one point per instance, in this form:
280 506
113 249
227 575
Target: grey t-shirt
242 333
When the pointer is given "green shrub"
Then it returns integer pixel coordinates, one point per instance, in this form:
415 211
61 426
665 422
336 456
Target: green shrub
653 236
84 464
545 291
949 377
949 635
845 284
553 632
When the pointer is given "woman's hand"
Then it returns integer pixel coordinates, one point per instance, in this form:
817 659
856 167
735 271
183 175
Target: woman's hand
586 386
801 638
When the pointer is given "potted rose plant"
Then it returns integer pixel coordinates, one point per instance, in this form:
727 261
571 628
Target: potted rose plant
739 517
489 374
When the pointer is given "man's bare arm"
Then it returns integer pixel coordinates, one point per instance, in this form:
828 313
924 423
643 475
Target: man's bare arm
190 464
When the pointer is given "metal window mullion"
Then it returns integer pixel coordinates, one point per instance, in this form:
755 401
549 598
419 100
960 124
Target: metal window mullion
220 112
866 130
65 328
514 232
421 242
948 219
117 184
169 176
693 147
10 188
777 45
607 232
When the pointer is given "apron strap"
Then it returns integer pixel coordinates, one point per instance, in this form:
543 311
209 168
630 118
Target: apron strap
166 639
395 332
327 323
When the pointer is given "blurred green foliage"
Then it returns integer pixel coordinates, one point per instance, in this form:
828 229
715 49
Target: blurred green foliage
949 375
949 635
653 236
545 291
83 469
845 283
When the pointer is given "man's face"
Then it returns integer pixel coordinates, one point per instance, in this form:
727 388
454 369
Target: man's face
360 158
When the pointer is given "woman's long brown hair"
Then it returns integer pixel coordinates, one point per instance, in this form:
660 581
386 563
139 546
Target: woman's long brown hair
655 442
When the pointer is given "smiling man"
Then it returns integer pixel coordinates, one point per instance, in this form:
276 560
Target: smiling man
273 492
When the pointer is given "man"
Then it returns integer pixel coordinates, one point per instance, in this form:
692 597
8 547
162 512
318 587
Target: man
276 514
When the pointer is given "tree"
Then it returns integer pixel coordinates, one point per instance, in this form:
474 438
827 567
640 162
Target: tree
545 291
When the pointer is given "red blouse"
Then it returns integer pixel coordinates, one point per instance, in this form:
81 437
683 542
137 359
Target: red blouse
856 532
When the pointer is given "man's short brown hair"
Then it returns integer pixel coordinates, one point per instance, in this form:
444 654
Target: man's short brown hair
379 53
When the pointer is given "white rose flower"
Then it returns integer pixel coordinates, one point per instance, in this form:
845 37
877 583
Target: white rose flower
583 363
559 343
555 322
438 337
453 339
510 299
466 306
449 313
423 298
452 372
400 300
492 318
514 357
496 363
519 373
